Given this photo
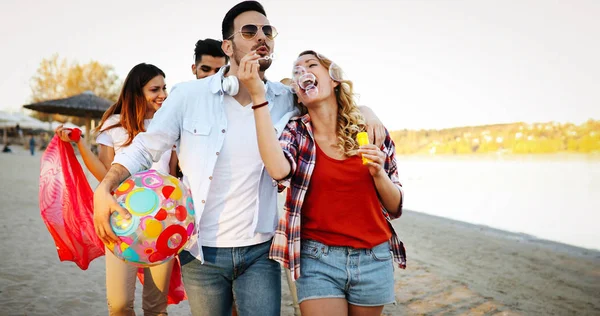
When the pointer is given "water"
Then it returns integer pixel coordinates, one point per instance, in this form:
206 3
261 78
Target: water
550 197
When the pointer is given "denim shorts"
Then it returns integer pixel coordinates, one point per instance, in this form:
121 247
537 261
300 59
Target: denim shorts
364 277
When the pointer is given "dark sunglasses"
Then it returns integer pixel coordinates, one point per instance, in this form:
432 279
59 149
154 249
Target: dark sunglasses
249 31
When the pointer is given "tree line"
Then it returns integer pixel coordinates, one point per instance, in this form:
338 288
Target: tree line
515 138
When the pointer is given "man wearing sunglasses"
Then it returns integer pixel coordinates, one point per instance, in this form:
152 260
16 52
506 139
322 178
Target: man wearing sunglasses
235 199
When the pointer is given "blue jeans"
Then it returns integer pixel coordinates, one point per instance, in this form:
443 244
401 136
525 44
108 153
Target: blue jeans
245 275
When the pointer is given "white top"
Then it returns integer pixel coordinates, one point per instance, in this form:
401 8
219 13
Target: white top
229 212
194 116
117 136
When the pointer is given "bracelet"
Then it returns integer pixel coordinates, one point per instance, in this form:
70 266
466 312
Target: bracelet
254 107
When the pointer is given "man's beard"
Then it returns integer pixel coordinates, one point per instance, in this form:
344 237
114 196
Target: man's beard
264 63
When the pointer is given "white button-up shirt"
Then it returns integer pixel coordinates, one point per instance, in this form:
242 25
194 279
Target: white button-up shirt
193 115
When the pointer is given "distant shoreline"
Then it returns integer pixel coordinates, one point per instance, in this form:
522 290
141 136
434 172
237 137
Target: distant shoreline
512 138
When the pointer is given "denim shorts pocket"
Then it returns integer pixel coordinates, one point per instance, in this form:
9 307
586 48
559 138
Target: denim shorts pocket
311 251
381 252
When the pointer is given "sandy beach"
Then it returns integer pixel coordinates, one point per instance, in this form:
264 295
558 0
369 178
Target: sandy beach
454 268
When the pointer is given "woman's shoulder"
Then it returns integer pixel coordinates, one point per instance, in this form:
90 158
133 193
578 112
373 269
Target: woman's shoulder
113 129
300 121
298 126
110 121
294 123
112 136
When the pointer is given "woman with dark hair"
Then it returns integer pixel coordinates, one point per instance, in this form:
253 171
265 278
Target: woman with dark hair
143 93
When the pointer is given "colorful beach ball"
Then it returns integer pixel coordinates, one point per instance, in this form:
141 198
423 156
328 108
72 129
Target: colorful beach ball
162 218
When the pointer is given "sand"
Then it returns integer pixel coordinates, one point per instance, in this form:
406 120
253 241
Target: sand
454 268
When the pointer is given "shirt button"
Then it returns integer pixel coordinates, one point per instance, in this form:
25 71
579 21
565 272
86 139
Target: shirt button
217 153
210 178
222 131
203 201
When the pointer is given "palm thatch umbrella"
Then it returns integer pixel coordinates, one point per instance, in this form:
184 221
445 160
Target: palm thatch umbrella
86 105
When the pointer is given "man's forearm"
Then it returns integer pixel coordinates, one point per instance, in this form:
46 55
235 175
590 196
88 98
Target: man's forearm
116 174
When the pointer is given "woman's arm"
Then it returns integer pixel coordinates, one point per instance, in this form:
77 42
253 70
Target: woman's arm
95 165
106 155
270 150
98 166
389 194
386 181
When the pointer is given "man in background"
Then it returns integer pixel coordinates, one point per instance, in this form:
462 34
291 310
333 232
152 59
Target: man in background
208 58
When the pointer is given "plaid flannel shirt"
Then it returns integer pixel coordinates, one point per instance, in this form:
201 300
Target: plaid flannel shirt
299 148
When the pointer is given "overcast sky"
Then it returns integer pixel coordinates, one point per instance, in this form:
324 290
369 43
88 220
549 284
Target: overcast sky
417 63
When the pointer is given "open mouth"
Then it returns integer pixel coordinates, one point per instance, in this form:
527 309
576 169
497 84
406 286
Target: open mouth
309 82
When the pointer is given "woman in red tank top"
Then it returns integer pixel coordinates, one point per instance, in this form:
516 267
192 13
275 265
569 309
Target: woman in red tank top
336 236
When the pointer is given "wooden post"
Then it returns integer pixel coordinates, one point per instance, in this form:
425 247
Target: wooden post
88 129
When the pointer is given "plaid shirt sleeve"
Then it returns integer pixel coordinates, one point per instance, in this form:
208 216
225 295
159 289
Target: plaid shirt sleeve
287 140
285 247
391 168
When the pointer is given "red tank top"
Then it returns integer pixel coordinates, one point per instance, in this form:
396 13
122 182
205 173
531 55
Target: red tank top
341 206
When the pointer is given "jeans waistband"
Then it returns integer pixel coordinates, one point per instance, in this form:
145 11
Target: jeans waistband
344 249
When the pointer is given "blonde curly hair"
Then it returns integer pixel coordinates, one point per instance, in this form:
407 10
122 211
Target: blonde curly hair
349 119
